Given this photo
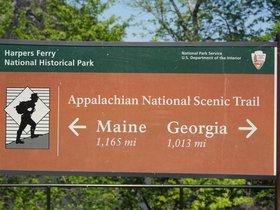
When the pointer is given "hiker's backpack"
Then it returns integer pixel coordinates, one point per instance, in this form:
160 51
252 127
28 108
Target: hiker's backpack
22 107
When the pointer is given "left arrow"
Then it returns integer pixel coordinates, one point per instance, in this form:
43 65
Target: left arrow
73 127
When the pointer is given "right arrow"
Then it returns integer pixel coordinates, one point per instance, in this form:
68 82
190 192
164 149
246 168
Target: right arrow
252 129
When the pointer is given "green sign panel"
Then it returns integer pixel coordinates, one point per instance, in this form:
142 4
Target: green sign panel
135 59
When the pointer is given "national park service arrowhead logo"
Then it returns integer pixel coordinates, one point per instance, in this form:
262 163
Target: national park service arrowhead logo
258 58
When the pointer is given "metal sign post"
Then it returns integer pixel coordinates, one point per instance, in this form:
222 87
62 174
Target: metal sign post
277 199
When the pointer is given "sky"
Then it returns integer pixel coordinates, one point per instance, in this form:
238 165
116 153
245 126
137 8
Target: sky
125 12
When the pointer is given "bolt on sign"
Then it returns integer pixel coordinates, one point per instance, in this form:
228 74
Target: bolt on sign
152 109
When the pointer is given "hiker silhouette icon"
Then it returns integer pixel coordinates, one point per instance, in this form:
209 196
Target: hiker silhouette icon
26 109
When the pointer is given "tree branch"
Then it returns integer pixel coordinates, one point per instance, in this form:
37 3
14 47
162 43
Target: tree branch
194 11
181 20
190 6
167 27
197 5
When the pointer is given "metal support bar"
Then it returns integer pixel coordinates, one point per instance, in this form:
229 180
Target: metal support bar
181 198
137 186
48 192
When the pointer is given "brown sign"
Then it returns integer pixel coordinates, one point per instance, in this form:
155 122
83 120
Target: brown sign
148 123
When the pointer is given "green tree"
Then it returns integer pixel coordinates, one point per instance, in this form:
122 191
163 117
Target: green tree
59 20
198 20
5 15
176 20
275 19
